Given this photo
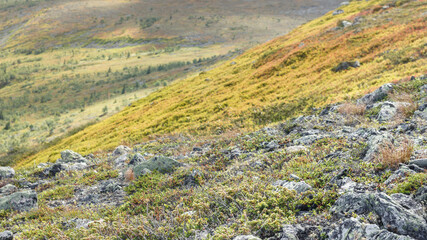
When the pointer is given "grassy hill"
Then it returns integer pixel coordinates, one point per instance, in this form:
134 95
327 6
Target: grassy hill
274 81
65 64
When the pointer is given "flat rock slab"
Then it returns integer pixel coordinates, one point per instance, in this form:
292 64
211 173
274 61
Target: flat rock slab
160 164
19 201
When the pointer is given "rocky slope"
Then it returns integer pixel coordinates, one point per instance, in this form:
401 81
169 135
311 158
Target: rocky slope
355 170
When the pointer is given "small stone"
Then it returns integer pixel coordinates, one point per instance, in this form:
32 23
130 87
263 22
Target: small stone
347 24
6 235
299 187
6 172
136 159
294 149
247 237
337 12
377 95
69 156
120 150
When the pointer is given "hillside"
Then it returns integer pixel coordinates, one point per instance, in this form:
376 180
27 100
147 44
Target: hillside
320 134
66 64
352 171
276 80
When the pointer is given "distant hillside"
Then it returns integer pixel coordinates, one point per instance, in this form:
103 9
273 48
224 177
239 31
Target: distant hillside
38 24
336 57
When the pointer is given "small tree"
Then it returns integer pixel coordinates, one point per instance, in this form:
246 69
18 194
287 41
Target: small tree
105 110
1 115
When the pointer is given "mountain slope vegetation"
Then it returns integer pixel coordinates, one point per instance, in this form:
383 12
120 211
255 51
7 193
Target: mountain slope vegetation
65 64
277 80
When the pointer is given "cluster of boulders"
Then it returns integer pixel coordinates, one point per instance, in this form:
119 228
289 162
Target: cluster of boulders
363 211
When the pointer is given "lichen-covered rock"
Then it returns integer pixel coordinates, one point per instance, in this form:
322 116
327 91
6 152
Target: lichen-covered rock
421 194
295 149
69 156
6 172
359 203
247 237
394 216
400 173
420 163
6 235
120 161
160 164
377 95
19 201
408 203
8 189
136 159
398 219
77 166
388 110
374 144
299 187
53 170
289 232
120 150
350 229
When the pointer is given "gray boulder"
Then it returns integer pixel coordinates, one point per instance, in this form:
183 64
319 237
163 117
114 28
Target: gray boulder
308 140
421 194
19 201
8 189
374 144
398 219
420 163
394 216
377 95
408 203
337 12
346 65
77 166
299 187
120 150
69 156
53 170
247 237
6 235
389 110
160 164
350 229
136 159
120 161
401 173
6 172
289 232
